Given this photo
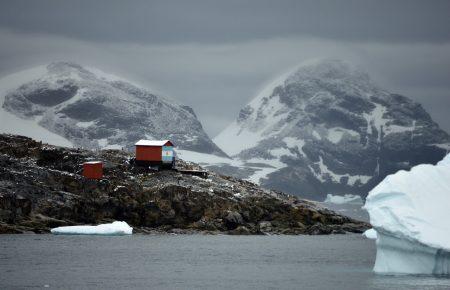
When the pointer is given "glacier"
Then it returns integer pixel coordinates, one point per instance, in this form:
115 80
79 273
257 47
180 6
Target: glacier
116 228
409 211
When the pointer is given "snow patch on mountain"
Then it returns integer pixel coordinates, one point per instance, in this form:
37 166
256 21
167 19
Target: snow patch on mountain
250 136
343 199
10 123
325 174
325 127
256 168
96 110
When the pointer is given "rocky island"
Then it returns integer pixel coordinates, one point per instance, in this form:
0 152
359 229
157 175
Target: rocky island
41 187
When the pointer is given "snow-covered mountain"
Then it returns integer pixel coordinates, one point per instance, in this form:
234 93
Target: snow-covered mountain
66 104
327 128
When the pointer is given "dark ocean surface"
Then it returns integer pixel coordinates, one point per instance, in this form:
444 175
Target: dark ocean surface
197 262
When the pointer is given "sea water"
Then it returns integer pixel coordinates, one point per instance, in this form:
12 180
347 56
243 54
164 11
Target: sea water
197 262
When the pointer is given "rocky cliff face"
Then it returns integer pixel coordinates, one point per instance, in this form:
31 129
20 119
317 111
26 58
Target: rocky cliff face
94 110
41 187
327 128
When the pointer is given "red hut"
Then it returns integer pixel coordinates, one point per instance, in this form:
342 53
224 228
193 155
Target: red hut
93 169
155 152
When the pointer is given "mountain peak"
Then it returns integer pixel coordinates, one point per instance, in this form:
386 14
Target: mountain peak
92 109
326 128
329 69
64 65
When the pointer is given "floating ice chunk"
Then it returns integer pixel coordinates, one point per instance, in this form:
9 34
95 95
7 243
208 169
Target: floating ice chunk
410 212
342 199
115 228
370 234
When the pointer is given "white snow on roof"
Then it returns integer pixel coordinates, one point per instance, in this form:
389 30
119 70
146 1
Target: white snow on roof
93 162
151 142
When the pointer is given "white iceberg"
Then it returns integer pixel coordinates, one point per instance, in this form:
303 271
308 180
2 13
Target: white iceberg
115 228
410 212
343 199
370 234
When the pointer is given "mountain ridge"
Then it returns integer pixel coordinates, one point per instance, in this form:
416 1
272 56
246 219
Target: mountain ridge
327 128
93 109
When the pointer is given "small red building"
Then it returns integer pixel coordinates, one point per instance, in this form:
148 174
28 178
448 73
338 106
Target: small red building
155 152
93 169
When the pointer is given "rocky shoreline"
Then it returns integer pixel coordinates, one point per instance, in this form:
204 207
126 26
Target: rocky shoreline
41 187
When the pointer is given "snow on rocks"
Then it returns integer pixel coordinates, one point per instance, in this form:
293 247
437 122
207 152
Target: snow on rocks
116 228
351 179
326 123
409 211
342 199
66 104
166 200
10 123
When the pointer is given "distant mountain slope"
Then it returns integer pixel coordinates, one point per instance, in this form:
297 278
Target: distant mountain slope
327 128
87 108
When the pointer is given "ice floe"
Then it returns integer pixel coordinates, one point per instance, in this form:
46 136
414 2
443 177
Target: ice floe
409 211
370 234
115 228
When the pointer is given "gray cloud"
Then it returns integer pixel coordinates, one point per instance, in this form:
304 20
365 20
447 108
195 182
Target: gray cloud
215 57
208 21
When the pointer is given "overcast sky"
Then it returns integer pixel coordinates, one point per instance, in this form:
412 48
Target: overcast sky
216 55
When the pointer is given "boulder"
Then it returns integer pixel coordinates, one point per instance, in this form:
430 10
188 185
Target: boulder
232 220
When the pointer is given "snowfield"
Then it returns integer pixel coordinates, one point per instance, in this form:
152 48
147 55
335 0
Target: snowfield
343 199
409 211
116 228
10 123
204 159
250 137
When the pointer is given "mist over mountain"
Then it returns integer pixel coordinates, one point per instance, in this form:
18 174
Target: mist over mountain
84 107
325 128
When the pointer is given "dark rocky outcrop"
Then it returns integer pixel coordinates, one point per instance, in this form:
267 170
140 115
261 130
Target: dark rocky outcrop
41 187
